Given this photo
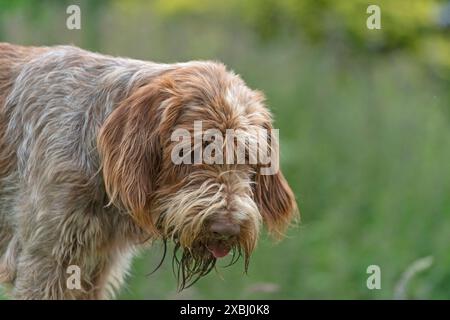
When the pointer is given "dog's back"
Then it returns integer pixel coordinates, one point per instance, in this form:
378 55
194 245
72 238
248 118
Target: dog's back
12 60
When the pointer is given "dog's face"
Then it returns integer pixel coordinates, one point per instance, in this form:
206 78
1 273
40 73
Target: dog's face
208 207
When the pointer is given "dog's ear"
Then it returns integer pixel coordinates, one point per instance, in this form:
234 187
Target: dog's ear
276 202
274 197
131 152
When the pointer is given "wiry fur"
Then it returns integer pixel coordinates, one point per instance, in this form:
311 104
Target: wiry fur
86 176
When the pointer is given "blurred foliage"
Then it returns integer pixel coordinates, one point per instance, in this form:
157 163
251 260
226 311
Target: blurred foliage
413 25
364 118
420 26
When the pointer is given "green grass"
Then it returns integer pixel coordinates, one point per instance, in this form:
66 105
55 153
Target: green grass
365 145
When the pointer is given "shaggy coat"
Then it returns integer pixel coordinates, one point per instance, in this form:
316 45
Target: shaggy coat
86 176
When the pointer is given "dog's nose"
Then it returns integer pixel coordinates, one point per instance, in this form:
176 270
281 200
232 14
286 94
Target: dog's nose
224 229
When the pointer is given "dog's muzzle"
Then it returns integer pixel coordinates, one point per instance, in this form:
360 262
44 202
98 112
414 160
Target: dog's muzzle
223 233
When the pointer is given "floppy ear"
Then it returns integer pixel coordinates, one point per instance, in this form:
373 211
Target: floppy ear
276 202
274 197
130 150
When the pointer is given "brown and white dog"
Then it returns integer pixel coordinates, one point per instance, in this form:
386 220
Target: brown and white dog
86 175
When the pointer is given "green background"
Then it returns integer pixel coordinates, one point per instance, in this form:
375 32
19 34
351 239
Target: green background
364 119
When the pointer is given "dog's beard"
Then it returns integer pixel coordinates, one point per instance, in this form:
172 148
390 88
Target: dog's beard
182 220
189 265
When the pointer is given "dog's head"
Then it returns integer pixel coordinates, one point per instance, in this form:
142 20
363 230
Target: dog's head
188 185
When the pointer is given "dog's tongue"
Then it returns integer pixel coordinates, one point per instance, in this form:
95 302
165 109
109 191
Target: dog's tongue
218 250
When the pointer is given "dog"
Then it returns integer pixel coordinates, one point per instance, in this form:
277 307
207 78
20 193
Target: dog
87 176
